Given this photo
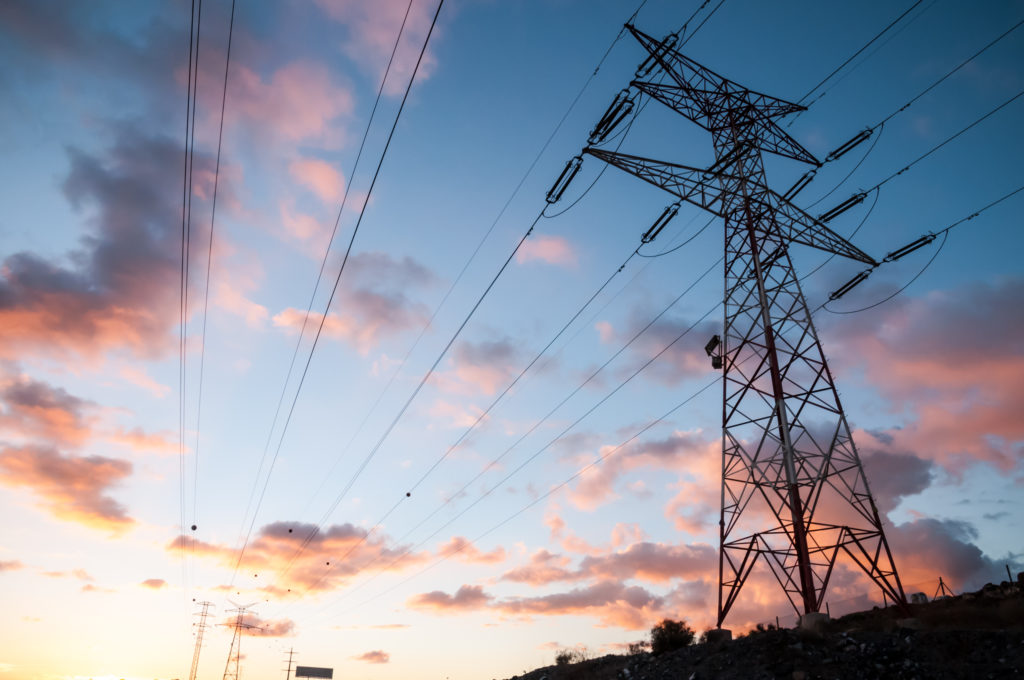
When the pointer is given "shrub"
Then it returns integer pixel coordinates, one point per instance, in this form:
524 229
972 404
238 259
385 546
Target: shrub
565 657
637 648
670 635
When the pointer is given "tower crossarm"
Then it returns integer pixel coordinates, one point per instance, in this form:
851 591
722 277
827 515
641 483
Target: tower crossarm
689 74
701 187
708 109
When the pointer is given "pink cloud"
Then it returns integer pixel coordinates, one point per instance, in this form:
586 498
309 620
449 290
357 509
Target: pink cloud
10 565
549 249
543 568
154 584
36 410
138 439
480 367
320 177
467 598
461 548
372 32
374 656
373 303
73 488
298 102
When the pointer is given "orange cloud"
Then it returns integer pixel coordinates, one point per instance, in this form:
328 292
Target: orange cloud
139 440
73 488
154 583
35 410
296 558
140 378
10 565
550 249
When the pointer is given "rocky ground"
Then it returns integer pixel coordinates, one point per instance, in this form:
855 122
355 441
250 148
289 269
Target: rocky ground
972 636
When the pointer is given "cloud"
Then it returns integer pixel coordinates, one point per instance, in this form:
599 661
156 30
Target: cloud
10 565
951 362
374 656
254 626
549 249
154 583
372 303
296 558
613 604
320 177
300 101
480 367
543 568
928 548
596 486
137 376
138 439
119 289
372 29
652 562
462 549
467 598
894 476
35 410
73 488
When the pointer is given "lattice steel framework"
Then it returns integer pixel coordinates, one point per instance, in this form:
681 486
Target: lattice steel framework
200 629
232 669
794 493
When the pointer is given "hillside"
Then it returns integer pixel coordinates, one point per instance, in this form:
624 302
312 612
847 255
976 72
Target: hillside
971 636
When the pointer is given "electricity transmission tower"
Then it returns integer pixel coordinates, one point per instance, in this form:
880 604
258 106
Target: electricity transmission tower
291 655
794 493
200 629
231 669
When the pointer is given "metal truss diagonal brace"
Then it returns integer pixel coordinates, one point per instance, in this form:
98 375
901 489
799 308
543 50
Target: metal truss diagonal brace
691 75
694 186
710 108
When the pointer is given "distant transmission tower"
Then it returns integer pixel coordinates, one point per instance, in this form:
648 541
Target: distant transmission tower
200 629
794 493
231 669
291 654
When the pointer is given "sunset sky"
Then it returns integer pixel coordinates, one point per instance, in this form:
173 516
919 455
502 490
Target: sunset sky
575 512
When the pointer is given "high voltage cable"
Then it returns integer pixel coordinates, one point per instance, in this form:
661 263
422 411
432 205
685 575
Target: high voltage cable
209 261
600 459
337 280
508 202
323 264
944 232
857 53
951 72
948 140
186 194
551 412
552 441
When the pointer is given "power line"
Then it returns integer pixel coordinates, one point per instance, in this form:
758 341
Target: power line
857 53
186 225
209 262
337 280
537 500
944 232
948 140
323 264
544 419
444 351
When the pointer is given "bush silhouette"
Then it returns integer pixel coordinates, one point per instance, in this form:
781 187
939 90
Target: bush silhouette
670 635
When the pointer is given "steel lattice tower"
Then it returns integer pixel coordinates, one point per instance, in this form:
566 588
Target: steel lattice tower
794 493
231 668
200 629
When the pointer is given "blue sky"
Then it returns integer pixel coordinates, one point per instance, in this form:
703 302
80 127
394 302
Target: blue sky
92 130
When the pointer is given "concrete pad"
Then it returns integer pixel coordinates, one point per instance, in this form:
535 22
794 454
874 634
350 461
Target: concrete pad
814 622
718 635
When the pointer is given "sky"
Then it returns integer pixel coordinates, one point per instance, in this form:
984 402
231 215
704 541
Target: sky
392 525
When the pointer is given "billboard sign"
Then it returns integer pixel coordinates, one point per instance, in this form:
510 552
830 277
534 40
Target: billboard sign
313 672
